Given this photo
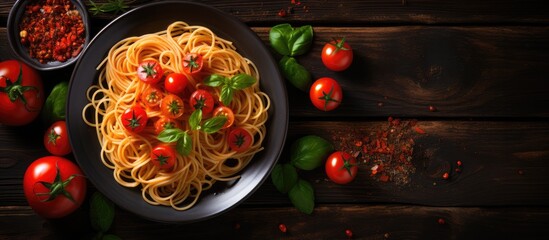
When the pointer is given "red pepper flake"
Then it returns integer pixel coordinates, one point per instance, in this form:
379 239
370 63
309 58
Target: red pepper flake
441 221
419 130
445 176
385 152
52 30
348 233
386 235
282 227
432 108
459 163
282 13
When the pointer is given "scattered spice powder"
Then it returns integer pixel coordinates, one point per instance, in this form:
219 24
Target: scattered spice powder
386 153
291 9
52 30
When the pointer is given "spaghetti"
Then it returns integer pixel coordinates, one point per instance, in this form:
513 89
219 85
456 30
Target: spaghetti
211 159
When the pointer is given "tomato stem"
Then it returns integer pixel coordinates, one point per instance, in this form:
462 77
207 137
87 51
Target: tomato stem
327 98
339 45
16 91
57 186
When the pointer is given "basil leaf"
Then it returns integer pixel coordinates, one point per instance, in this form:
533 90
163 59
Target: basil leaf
55 105
295 73
300 40
101 212
279 36
214 124
284 177
241 81
195 119
226 95
170 135
302 196
215 80
184 144
309 152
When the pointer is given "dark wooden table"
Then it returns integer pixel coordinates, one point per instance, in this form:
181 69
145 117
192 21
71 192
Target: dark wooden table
483 64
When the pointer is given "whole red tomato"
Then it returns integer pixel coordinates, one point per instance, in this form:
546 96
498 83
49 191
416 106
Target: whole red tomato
240 139
176 83
56 139
341 167
326 94
135 119
54 186
150 71
337 55
192 63
164 157
21 93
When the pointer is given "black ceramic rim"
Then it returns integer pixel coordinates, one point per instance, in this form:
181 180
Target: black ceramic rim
155 17
21 51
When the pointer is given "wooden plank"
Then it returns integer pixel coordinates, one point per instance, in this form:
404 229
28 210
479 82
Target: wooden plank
504 164
400 71
365 221
370 12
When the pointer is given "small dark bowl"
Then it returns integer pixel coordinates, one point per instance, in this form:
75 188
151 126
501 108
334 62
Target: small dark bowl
14 19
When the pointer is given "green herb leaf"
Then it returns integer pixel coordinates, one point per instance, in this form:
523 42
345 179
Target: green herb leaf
195 119
170 135
300 40
55 105
184 144
279 36
295 73
214 124
302 196
241 81
309 152
226 95
215 80
101 212
284 177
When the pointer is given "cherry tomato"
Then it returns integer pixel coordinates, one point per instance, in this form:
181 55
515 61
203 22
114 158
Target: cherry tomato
337 55
165 123
135 119
341 167
172 106
152 97
54 186
192 63
56 139
164 157
227 112
202 99
150 71
326 94
21 93
240 139
176 83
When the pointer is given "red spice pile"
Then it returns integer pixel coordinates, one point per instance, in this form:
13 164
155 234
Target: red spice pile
386 152
52 30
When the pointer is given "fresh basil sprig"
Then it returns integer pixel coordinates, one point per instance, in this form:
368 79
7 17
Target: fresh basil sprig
54 106
307 153
209 126
229 85
289 41
182 139
295 73
102 212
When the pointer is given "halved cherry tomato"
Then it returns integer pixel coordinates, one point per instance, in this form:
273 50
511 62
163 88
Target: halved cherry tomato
192 63
152 97
150 71
165 123
240 139
337 55
326 94
164 157
227 112
176 83
56 139
341 167
202 99
135 119
172 106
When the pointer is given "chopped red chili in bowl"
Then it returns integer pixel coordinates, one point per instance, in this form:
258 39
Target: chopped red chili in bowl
48 34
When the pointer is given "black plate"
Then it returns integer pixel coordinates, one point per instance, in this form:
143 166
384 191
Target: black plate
152 18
